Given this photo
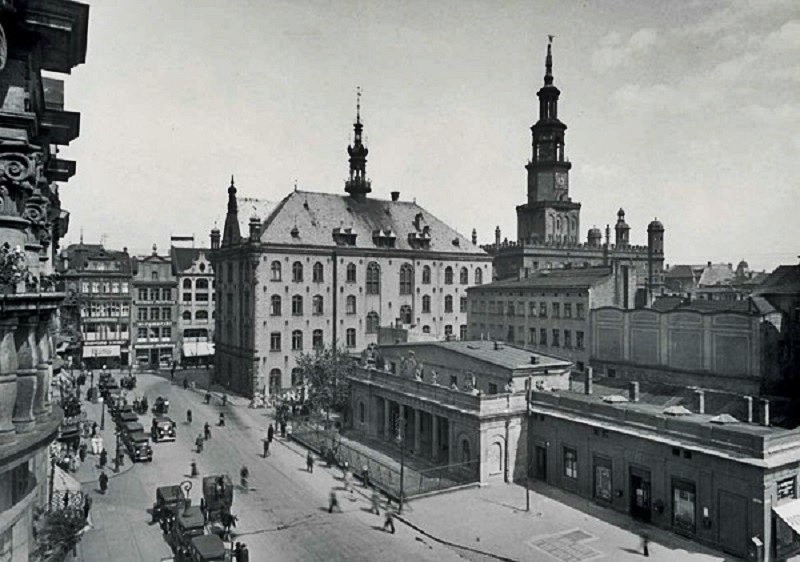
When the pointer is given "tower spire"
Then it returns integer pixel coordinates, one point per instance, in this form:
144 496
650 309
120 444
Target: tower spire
357 184
230 232
548 62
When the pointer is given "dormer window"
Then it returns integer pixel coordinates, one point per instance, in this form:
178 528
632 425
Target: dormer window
384 238
344 236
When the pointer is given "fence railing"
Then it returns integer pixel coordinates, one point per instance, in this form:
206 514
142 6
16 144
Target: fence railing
329 444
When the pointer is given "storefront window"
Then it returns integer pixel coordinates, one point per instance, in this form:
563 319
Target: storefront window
683 505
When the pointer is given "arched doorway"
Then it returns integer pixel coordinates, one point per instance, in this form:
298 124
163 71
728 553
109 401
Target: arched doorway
495 458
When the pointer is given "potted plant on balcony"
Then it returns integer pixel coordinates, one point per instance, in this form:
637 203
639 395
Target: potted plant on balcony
14 273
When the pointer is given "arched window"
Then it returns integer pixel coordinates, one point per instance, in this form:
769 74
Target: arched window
405 314
297 272
478 276
316 305
201 284
187 316
426 329
201 315
316 339
373 321
448 303
406 279
274 381
373 278
448 331
448 275
275 269
316 273
275 305
426 275
463 276
351 337
297 340
187 283
297 305
426 303
350 304
351 273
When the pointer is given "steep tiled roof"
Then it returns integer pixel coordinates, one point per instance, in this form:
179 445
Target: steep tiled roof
716 274
784 280
252 207
574 278
78 256
305 218
183 258
679 271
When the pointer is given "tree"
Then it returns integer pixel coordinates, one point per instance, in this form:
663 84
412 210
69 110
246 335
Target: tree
326 371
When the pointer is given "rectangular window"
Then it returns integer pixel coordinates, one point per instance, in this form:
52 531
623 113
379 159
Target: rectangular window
275 341
462 332
142 314
532 309
187 297
141 333
543 309
556 310
532 336
351 337
124 288
579 339
567 310
154 294
166 332
95 287
166 294
462 307
154 332
542 336
570 463
492 388
567 338
201 297
143 294
115 287
683 505
454 380
787 488
85 287
602 479
579 310
555 338
166 314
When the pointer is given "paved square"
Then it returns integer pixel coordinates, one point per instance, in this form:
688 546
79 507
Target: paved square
567 546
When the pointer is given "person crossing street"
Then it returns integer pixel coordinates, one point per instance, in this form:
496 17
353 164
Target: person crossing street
207 431
310 462
103 480
388 522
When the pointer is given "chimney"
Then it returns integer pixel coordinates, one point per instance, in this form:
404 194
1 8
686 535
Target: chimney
749 401
765 411
701 401
587 383
255 229
474 237
215 239
709 264
497 236
534 360
395 195
633 391
125 250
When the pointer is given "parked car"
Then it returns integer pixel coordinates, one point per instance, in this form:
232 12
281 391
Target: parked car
169 499
218 493
161 405
138 445
162 429
189 523
128 382
206 548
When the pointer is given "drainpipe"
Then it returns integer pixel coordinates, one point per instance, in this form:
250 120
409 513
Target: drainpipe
335 280
505 451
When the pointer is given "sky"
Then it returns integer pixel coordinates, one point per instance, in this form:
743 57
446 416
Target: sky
685 111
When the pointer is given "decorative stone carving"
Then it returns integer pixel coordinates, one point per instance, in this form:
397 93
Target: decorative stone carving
434 377
43 369
8 379
27 356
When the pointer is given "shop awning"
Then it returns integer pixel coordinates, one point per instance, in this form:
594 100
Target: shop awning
789 514
65 482
101 350
198 349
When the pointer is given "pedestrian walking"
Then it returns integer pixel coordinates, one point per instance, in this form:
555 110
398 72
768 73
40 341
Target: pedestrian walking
224 399
365 475
208 397
237 552
87 506
221 419
82 452
103 482
185 384
645 545
207 431
310 462
333 501
103 458
388 522
266 448
172 371
376 502
244 473
66 500
283 428
193 469
244 554
204 509
189 416
199 443
94 429
270 433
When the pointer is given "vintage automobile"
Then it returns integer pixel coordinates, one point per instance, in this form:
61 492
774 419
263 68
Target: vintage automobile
218 493
169 499
70 433
72 407
136 442
189 523
108 385
162 429
205 548
124 414
128 382
161 405
113 399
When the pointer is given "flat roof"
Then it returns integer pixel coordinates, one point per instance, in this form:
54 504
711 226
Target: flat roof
496 353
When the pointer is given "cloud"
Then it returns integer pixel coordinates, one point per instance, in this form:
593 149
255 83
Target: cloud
787 38
614 52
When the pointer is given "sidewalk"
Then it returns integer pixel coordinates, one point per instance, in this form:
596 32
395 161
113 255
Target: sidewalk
560 527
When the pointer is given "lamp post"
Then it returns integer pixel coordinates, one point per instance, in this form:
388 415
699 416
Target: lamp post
116 454
528 447
102 413
401 440
186 486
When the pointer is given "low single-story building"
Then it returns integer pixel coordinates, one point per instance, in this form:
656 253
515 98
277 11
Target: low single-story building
462 403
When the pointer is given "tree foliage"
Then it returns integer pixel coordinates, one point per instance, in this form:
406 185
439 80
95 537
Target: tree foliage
326 371
59 529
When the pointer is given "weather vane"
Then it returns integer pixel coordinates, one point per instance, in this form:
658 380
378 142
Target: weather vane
551 37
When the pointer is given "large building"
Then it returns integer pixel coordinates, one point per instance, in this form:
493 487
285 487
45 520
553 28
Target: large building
196 299
35 36
322 268
548 311
548 224
454 403
675 459
97 308
155 325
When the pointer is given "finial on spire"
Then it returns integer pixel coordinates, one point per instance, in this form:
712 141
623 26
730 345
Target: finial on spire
232 181
548 61
358 104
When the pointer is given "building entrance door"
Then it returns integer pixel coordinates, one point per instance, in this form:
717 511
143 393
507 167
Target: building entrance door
733 523
154 357
540 462
640 494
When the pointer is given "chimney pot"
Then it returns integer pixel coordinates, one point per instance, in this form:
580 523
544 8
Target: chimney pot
765 412
701 402
395 195
587 383
749 401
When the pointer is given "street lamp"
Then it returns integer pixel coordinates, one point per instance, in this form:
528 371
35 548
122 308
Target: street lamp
401 440
186 486
116 455
528 385
102 413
